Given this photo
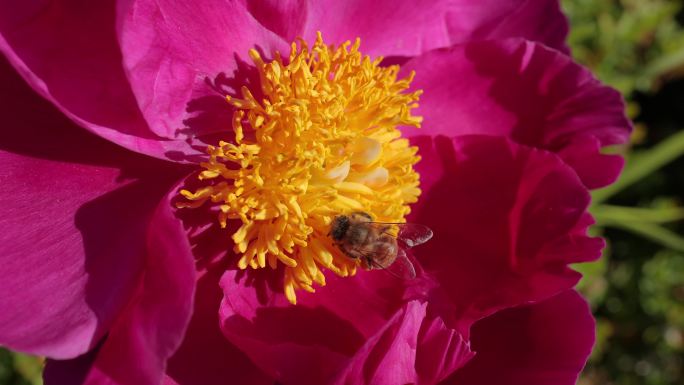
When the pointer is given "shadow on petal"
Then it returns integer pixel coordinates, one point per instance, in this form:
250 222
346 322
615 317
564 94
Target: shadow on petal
542 344
75 211
153 323
206 356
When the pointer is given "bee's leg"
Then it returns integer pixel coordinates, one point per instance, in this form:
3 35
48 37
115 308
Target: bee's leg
352 253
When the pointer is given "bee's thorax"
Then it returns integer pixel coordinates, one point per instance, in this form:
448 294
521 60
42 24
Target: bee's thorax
339 227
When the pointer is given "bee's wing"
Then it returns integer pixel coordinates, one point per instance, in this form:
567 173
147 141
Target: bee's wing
401 268
410 234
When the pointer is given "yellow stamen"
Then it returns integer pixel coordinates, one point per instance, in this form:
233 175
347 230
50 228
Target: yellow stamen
323 141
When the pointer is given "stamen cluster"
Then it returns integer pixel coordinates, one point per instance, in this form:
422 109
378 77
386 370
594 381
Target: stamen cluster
322 141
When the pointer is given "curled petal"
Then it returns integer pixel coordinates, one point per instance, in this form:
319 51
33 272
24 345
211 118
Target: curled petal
413 28
69 55
182 58
524 91
205 356
353 330
536 20
583 154
542 344
294 344
507 221
286 18
71 256
410 348
153 324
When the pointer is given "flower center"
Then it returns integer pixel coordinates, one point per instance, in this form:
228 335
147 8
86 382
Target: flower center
323 141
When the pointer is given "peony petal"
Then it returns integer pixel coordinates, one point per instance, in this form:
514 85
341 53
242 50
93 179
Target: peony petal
77 274
286 18
340 334
169 381
536 20
402 28
73 247
68 53
182 58
544 344
73 371
386 27
152 326
441 351
507 221
367 301
294 344
389 356
583 154
408 349
205 356
534 95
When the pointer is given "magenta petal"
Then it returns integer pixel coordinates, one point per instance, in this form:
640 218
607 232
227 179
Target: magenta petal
153 324
73 371
544 344
367 301
173 52
386 27
286 18
405 28
507 220
441 350
389 356
205 356
527 92
353 330
71 255
69 55
597 170
74 209
539 20
408 349
294 344
65 280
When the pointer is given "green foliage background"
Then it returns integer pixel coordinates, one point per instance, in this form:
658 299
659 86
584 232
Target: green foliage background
637 289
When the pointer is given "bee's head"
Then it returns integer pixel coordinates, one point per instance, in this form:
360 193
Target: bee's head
339 227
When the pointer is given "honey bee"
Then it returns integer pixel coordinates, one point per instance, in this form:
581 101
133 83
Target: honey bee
358 237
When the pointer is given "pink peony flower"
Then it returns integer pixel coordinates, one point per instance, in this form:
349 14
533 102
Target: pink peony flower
106 276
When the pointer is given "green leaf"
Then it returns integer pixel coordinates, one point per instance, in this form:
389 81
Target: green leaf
607 214
653 232
644 163
666 64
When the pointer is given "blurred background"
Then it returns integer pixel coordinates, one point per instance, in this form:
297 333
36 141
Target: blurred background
637 288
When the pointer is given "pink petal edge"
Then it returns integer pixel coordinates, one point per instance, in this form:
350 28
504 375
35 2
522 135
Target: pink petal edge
524 91
70 56
547 343
181 60
507 219
71 257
